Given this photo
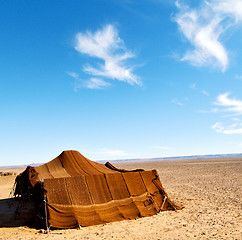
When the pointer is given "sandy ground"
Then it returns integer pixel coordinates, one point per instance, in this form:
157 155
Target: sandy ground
209 191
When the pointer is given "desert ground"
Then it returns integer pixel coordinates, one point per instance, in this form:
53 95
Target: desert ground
209 191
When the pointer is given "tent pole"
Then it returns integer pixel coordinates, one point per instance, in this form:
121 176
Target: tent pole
46 213
46 219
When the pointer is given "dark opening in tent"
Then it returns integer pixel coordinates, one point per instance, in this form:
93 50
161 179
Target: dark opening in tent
72 191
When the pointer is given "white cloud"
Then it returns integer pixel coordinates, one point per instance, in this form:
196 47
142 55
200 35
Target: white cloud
228 104
162 147
194 87
114 153
106 45
96 83
78 81
175 101
236 119
229 130
205 93
92 83
203 27
233 8
74 75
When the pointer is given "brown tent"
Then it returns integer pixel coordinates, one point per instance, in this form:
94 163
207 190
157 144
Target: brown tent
72 191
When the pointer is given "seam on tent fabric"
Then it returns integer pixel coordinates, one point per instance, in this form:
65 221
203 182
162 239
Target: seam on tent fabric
88 189
68 192
61 162
108 186
126 185
101 166
63 166
73 212
79 165
93 166
49 171
143 182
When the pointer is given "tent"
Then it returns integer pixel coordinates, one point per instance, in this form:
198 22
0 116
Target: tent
72 191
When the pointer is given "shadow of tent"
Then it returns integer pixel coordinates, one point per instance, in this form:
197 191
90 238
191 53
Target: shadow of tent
15 212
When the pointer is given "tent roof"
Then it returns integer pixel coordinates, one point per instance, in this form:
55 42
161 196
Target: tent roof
68 164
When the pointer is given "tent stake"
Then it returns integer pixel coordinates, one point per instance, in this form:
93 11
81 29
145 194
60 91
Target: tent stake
163 203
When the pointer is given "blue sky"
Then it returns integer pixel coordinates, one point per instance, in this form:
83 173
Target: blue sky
119 79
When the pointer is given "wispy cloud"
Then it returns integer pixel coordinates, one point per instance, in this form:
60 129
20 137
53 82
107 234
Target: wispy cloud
112 152
204 92
162 147
92 83
74 75
177 102
78 81
232 129
193 86
111 57
236 119
203 27
228 104
96 83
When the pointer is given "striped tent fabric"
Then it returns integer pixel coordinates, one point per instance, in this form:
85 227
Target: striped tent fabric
72 191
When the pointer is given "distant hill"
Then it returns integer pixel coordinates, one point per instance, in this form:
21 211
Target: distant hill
22 166
194 157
